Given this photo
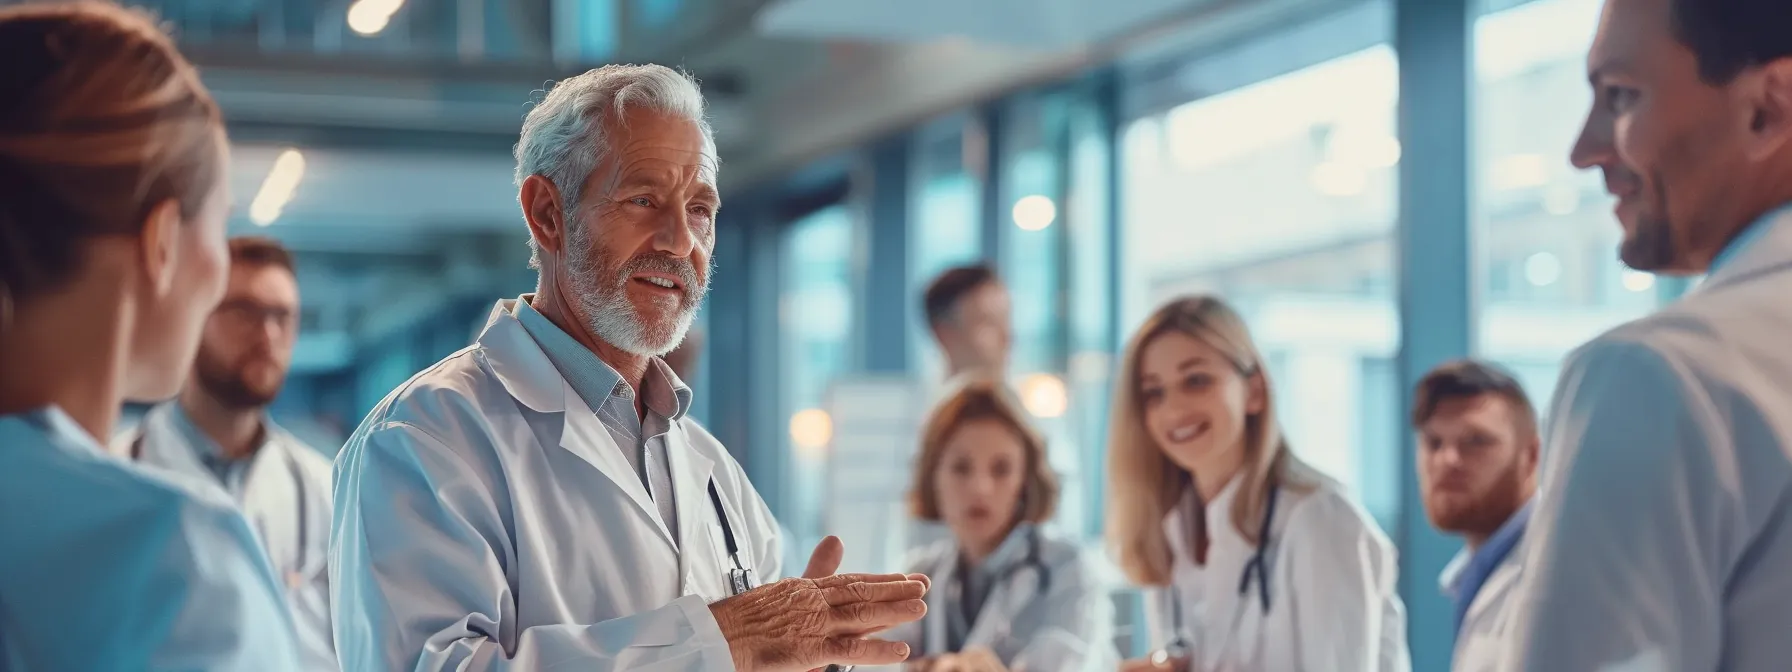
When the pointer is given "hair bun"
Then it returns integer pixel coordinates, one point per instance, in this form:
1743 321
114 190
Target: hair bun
33 53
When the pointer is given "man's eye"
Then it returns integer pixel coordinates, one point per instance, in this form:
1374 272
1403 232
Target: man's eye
642 201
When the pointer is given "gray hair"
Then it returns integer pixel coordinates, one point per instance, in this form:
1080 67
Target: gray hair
566 133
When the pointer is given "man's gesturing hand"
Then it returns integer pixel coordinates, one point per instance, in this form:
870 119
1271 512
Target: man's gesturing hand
802 624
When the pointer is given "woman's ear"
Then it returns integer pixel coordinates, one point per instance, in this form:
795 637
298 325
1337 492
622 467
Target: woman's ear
158 246
1256 392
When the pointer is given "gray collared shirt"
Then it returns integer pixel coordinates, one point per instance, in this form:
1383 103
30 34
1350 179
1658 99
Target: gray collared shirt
641 436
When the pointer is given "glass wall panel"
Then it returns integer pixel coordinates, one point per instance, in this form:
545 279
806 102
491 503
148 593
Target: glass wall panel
1280 196
1547 241
815 308
944 228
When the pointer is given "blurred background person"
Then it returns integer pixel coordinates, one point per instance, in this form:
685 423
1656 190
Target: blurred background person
112 220
218 431
1260 562
1478 449
1008 594
969 312
1663 531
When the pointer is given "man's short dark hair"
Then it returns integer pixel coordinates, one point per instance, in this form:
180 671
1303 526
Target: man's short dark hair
946 290
1730 36
1467 379
259 251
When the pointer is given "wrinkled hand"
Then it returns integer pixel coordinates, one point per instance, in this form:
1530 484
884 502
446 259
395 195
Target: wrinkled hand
1146 665
802 624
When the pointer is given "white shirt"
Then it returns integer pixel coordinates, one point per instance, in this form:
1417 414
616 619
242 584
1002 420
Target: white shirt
111 566
284 491
1487 625
487 520
1662 538
1333 599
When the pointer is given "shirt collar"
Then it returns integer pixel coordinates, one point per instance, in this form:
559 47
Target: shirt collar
1450 581
592 379
207 450
1746 238
1010 552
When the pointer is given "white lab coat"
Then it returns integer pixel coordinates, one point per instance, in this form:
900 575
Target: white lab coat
1662 535
1333 599
485 520
1487 623
1067 628
111 566
287 485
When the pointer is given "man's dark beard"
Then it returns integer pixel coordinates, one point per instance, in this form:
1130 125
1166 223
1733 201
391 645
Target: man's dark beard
1651 246
225 384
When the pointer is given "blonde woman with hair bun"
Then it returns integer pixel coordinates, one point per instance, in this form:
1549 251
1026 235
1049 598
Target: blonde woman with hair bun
112 223
1252 560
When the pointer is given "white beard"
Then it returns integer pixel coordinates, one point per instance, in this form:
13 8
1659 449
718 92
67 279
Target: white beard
609 314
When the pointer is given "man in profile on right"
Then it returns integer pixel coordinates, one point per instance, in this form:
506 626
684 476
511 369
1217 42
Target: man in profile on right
1662 535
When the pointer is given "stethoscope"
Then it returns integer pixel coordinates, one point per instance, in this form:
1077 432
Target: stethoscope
1033 560
740 576
301 567
1257 567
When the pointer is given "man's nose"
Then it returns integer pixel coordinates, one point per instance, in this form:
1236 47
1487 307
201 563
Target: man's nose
1593 147
674 236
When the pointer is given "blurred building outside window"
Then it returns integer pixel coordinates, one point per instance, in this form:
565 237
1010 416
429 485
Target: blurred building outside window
1546 238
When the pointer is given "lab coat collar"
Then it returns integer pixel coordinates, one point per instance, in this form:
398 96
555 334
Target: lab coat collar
55 426
1762 246
1450 580
519 364
527 374
663 392
204 451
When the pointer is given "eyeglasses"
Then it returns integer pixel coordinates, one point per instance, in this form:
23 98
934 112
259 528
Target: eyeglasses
245 314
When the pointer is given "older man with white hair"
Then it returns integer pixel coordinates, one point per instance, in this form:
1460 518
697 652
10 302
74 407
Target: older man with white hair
539 500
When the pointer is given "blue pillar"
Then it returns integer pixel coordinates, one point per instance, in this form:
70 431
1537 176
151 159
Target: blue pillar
988 125
1434 40
887 304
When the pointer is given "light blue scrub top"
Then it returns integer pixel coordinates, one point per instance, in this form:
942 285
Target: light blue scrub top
106 565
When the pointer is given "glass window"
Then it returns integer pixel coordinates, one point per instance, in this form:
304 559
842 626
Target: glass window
1279 195
1547 240
946 229
815 310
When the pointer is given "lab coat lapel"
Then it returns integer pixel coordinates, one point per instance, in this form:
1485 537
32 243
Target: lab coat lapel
1006 600
585 436
933 636
269 502
690 490
530 377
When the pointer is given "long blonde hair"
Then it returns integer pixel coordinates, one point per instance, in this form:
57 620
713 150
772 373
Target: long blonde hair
1144 485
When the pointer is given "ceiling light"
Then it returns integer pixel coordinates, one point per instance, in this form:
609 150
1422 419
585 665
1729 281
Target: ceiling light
1044 395
1034 213
811 430
277 190
368 17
